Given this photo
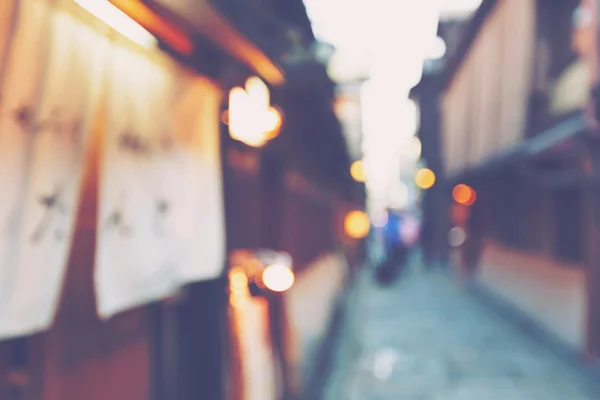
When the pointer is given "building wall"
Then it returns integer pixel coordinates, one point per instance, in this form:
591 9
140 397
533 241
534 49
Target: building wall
310 305
551 293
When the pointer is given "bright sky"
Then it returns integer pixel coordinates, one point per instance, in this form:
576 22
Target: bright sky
385 41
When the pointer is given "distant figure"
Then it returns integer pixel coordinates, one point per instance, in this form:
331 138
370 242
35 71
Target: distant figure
396 248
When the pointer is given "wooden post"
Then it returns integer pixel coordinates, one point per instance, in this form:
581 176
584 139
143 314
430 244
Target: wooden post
271 226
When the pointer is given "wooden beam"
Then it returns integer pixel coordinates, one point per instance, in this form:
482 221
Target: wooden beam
204 18
143 15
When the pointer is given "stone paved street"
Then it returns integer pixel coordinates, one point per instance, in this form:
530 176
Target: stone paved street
424 339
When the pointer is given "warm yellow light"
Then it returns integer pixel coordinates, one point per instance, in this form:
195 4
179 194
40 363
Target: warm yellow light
357 224
357 171
243 125
251 120
272 123
119 21
238 106
258 93
238 281
425 178
278 278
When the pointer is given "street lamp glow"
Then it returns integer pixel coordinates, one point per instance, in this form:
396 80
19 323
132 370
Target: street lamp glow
250 117
425 178
464 195
278 278
357 224
357 171
273 123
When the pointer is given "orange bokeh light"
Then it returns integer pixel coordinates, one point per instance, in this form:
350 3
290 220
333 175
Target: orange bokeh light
463 194
273 122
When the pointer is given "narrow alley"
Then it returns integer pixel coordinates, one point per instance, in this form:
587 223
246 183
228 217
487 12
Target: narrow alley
424 338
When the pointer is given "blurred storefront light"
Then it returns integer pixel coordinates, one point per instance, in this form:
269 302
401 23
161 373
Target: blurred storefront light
119 21
357 171
380 219
457 236
463 194
238 281
273 122
278 277
251 118
259 93
357 224
425 178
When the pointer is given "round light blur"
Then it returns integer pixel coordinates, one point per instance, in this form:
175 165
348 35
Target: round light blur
357 224
272 122
278 278
425 178
457 236
357 171
238 281
380 220
463 194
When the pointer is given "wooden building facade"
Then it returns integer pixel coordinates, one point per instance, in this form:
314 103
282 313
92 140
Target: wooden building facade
101 316
515 122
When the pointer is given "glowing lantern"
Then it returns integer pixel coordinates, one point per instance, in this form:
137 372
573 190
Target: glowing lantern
238 107
250 117
464 195
357 171
272 123
259 93
357 224
425 178
278 278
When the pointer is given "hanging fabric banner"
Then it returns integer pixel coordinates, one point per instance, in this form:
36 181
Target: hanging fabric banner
53 161
19 93
161 219
197 218
136 254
